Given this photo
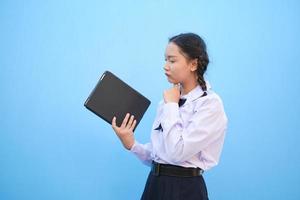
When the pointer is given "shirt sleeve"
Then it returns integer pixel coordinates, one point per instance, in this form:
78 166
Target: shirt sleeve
143 152
206 125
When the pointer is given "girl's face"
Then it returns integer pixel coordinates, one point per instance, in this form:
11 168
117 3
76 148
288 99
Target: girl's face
178 68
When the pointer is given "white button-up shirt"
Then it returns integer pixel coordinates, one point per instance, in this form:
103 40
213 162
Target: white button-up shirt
190 136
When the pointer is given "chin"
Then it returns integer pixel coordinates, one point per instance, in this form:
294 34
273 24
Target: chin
170 80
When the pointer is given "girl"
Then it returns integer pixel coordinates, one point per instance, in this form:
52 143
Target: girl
188 132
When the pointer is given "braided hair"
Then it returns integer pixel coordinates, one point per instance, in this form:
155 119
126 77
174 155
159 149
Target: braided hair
193 47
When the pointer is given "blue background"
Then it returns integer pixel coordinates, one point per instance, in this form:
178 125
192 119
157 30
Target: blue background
52 53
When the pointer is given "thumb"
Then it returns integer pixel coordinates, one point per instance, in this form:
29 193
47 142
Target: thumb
114 125
177 85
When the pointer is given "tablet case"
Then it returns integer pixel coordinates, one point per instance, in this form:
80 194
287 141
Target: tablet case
113 97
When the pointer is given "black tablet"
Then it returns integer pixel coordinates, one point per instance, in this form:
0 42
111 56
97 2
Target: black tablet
113 97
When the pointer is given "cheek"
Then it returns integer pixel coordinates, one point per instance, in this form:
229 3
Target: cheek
175 70
178 69
176 74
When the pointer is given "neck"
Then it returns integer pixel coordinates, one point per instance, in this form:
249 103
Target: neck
188 86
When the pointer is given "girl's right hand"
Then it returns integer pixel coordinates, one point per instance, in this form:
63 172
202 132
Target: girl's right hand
172 94
125 131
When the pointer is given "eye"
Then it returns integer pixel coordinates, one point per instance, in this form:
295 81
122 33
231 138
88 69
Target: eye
169 60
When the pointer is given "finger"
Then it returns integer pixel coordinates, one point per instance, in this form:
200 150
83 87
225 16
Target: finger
133 125
113 123
125 120
177 86
130 122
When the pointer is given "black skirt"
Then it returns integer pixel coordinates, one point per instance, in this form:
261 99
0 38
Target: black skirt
174 188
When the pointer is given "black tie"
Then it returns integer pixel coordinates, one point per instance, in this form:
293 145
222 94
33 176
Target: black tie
181 102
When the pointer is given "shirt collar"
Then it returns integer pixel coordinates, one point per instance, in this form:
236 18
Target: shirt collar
196 92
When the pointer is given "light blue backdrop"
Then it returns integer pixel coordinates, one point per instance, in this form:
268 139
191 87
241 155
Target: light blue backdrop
53 52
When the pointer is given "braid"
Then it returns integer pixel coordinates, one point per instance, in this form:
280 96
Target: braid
202 66
202 83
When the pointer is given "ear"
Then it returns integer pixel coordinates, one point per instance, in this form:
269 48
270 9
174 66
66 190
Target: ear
194 64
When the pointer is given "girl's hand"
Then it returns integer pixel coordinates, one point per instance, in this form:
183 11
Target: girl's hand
125 131
172 94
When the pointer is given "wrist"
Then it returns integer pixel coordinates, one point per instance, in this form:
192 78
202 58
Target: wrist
171 101
128 144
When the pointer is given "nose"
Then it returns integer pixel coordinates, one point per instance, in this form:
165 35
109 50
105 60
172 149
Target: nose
166 67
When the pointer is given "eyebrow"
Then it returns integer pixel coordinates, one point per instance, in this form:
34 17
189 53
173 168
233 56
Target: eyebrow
170 56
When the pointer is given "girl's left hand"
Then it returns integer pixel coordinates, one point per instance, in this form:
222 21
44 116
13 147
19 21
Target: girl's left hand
172 94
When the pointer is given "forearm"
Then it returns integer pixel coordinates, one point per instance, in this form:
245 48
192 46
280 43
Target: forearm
143 152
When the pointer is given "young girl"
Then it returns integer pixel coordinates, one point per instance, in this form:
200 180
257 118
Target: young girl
189 128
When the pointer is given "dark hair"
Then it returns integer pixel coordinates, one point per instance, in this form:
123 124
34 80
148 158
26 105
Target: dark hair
193 47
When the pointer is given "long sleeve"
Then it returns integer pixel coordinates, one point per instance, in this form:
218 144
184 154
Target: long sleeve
143 152
206 125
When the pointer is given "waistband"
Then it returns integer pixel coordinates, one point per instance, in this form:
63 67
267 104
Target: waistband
174 170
